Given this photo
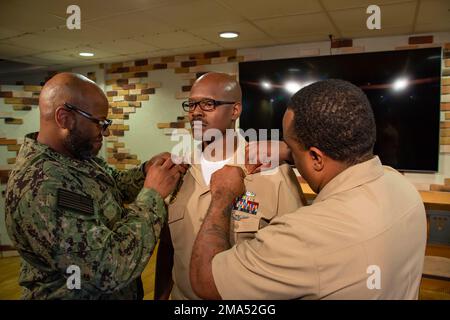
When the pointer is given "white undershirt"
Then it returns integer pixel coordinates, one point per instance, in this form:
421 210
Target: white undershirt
209 167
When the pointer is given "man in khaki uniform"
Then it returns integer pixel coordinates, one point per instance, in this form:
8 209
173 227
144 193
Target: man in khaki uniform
363 237
214 103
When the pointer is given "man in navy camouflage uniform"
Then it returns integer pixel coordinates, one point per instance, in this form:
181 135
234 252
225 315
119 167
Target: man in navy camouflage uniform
65 206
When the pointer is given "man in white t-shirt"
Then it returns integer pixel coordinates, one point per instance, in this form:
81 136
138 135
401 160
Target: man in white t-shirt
215 105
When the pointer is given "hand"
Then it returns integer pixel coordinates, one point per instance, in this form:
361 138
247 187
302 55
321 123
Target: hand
254 163
227 184
163 176
163 156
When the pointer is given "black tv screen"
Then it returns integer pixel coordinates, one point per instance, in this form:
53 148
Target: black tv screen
403 88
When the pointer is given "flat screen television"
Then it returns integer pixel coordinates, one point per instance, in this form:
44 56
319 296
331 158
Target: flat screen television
403 88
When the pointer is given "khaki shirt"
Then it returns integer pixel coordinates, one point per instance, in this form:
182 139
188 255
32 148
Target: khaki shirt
367 217
275 194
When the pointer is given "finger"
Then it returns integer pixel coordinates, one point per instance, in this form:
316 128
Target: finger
175 178
165 155
242 173
174 170
253 168
247 156
181 169
251 152
238 168
158 162
162 156
167 164
268 165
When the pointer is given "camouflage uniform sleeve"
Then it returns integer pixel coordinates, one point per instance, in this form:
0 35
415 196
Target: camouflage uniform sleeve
129 182
109 257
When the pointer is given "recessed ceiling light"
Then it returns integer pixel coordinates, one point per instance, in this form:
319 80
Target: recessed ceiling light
229 34
86 54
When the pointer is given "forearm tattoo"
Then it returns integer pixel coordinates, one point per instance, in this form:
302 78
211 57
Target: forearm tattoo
219 228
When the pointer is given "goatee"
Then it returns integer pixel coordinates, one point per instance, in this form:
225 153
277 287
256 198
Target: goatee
81 148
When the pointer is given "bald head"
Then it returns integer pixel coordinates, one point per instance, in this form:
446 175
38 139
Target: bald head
218 85
71 131
226 92
71 88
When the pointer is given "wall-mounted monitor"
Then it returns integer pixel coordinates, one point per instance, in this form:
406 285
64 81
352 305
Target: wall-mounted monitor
403 88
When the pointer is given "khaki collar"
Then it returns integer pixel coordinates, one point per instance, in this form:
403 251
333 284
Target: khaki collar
352 177
238 158
196 172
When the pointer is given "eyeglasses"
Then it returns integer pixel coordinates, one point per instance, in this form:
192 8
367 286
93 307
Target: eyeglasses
103 123
205 104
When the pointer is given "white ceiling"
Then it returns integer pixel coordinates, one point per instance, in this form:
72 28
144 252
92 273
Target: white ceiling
118 30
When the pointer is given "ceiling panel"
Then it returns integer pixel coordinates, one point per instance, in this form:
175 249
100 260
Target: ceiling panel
34 41
97 9
199 48
347 4
354 20
56 57
248 43
124 46
255 9
26 16
10 51
8 33
196 14
86 35
434 15
111 59
145 54
247 31
87 62
39 61
133 24
74 53
296 25
173 40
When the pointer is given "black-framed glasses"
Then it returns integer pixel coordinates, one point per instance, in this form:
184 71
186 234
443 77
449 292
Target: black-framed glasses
103 123
205 104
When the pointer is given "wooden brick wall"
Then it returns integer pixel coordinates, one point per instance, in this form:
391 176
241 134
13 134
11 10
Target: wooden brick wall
24 99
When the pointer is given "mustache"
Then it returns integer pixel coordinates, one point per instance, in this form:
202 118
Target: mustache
203 122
